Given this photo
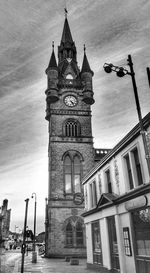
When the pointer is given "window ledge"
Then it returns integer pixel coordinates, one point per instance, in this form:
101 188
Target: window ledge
75 247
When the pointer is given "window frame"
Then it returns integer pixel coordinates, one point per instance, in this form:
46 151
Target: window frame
67 232
72 130
108 181
93 194
73 155
136 169
96 239
75 236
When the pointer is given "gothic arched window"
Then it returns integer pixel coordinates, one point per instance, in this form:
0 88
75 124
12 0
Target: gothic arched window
68 174
72 128
69 234
74 232
79 234
77 174
72 172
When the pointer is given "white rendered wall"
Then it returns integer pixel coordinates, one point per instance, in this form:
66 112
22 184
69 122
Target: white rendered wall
89 243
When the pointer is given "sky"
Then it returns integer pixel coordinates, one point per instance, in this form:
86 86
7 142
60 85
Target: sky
110 29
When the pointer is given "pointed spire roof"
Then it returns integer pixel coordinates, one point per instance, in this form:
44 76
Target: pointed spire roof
52 62
66 35
85 64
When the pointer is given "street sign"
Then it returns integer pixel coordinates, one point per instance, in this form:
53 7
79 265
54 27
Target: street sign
78 198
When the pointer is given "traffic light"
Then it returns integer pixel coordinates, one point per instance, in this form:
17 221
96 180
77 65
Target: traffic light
23 248
29 234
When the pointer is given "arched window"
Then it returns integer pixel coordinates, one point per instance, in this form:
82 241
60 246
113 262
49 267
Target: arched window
68 174
69 234
69 77
72 128
72 172
74 232
77 174
79 234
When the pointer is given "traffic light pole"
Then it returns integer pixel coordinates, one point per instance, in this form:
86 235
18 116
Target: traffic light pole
24 236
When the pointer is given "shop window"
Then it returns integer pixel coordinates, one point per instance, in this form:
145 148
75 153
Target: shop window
93 194
133 168
141 220
127 243
113 243
141 224
96 240
108 180
72 173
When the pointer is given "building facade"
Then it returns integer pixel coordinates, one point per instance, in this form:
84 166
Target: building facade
4 222
117 207
69 97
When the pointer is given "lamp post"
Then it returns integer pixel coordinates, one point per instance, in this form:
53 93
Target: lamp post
121 72
148 75
34 254
46 224
24 236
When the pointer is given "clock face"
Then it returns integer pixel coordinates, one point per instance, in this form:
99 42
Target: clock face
70 101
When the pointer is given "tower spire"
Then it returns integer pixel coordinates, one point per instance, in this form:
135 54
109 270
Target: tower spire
66 35
85 64
52 62
67 47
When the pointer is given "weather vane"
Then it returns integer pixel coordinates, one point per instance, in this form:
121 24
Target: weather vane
53 45
65 9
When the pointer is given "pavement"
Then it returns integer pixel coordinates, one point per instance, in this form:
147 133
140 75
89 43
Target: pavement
10 262
46 265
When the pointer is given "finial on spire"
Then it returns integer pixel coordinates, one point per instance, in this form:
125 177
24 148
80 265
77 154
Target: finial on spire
84 49
66 11
53 45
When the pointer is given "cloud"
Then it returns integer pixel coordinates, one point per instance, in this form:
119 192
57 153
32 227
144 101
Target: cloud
111 30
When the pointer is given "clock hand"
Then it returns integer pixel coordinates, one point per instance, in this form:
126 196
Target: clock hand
71 102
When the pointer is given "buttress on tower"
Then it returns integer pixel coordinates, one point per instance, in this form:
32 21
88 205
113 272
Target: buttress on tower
69 97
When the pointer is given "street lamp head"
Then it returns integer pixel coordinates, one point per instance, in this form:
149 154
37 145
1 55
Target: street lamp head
33 194
120 73
108 68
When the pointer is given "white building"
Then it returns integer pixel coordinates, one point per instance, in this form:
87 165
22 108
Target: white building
117 207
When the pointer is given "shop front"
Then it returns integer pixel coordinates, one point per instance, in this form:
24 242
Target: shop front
141 227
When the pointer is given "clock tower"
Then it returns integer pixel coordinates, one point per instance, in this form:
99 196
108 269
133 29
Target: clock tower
69 97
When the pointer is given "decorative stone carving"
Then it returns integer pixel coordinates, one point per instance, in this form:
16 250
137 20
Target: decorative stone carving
100 183
148 140
116 169
85 197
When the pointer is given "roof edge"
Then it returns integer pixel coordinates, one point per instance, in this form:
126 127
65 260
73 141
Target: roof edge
117 148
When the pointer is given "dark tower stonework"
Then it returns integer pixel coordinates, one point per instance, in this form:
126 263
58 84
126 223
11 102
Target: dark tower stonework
69 97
